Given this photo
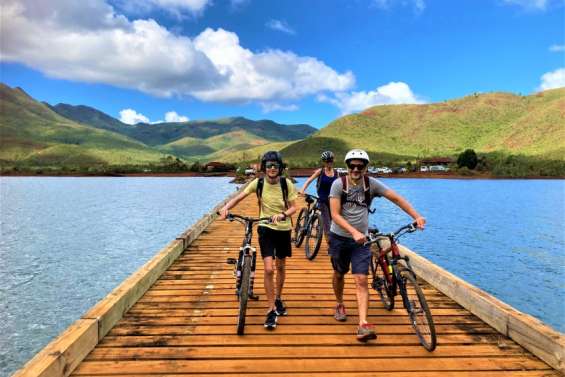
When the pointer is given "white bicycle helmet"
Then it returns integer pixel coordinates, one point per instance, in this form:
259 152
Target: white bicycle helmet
356 154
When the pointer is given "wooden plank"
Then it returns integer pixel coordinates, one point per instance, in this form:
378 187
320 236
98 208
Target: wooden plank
540 339
443 373
61 356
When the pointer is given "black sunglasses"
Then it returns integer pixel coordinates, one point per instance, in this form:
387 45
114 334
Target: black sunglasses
359 167
272 165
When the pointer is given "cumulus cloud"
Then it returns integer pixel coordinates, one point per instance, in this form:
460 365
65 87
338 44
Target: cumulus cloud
528 4
557 48
90 42
390 94
270 107
172 116
130 116
552 80
280 26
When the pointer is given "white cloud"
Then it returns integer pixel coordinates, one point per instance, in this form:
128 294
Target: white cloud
390 94
528 4
557 48
418 5
176 7
130 116
552 80
90 42
172 116
270 107
280 26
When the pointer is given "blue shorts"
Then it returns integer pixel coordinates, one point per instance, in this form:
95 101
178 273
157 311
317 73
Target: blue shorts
345 251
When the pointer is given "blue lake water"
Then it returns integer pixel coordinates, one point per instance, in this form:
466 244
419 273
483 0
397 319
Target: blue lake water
66 242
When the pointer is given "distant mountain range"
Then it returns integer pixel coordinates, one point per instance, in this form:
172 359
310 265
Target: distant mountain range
35 133
38 134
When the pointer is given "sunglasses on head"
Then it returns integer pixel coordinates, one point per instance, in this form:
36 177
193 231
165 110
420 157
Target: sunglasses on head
359 167
272 165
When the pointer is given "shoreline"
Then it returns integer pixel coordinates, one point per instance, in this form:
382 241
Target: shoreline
295 173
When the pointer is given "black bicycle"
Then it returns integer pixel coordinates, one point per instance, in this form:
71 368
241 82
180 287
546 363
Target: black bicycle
393 273
244 269
310 227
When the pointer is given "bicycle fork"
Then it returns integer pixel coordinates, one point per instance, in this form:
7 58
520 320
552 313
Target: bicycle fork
243 251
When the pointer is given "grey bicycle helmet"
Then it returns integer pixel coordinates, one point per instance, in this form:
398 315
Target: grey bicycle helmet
327 156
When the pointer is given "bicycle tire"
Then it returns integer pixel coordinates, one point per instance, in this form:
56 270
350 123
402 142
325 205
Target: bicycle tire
314 233
419 312
299 227
244 293
381 284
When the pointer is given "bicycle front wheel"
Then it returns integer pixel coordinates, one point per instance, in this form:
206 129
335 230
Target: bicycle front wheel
418 311
381 284
314 236
299 227
244 293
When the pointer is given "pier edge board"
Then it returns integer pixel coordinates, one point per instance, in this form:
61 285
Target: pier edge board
529 332
61 356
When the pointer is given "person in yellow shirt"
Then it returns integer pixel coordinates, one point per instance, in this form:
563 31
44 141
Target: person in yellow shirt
277 197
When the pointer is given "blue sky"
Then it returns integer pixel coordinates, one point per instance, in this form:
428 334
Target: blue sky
291 61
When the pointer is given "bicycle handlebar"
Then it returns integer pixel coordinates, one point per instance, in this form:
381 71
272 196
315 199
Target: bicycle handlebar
233 216
374 236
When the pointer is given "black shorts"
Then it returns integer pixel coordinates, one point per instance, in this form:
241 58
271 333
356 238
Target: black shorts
274 243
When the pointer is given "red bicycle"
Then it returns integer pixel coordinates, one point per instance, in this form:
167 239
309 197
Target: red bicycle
391 274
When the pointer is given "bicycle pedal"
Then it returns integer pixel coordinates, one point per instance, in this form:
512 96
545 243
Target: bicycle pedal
231 261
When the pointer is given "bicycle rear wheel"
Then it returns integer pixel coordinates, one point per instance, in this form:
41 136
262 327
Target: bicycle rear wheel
385 290
420 316
244 293
314 236
299 227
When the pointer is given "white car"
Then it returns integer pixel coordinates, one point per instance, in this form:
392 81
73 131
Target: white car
249 171
423 168
438 168
341 171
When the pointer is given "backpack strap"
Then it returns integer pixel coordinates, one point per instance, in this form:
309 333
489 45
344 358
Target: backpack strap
366 190
259 192
284 189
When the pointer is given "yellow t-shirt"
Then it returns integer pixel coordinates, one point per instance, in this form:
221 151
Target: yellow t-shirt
272 201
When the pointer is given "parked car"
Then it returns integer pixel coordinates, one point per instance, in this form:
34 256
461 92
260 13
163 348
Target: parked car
341 171
423 168
399 170
438 168
249 171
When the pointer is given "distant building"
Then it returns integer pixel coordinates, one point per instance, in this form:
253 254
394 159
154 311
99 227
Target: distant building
443 161
216 166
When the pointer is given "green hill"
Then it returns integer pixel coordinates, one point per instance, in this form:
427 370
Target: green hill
493 123
32 134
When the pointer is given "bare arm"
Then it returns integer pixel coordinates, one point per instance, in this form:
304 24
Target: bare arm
406 207
335 208
232 203
309 180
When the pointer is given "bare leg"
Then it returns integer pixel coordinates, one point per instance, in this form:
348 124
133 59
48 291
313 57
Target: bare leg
268 281
362 297
338 283
281 274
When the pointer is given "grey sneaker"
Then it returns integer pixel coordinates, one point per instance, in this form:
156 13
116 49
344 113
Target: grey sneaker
340 314
280 308
366 332
271 320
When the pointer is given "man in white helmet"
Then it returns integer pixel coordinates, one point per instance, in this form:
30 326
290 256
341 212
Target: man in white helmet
350 201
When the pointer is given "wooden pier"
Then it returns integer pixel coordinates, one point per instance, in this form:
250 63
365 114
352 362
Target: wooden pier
176 316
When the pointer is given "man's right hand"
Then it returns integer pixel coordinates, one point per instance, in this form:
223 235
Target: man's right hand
301 192
224 213
359 237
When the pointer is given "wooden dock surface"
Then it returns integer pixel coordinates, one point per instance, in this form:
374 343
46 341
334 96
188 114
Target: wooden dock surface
185 325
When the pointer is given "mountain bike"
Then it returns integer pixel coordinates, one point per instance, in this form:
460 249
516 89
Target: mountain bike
393 273
309 227
244 267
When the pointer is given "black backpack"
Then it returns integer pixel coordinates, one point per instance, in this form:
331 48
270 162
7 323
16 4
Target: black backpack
366 189
284 189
